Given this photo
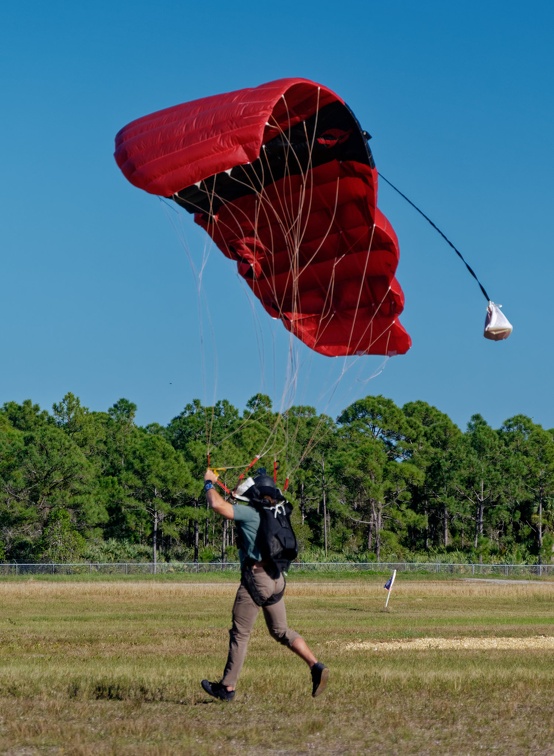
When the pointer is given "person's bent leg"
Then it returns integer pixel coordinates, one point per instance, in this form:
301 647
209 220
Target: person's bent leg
301 649
276 620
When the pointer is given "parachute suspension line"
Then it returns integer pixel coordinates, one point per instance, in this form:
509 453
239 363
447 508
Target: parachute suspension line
296 233
437 229
305 189
320 431
289 210
249 466
291 376
287 219
360 292
369 327
318 434
270 438
292 217
378 370
296 214
326 313
269 211
287 213
294 220
198 274
291 367
210 419
235 217
289 216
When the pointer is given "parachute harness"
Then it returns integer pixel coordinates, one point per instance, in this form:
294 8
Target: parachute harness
278 509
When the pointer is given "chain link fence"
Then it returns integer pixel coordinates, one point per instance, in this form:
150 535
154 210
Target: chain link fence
513 571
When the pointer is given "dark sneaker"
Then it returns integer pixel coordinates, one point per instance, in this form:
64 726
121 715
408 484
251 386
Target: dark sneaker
217 690
320 675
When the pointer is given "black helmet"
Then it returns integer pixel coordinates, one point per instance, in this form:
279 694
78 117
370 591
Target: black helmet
260 485
264 485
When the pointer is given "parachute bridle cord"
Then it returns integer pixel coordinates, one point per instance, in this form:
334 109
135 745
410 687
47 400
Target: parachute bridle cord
437 229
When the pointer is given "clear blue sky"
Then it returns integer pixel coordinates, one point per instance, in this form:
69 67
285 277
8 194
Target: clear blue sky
99 291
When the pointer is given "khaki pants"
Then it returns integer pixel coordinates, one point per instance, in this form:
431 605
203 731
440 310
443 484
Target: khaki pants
245 611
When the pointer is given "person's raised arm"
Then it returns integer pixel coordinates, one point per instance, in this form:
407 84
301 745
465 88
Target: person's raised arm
214 498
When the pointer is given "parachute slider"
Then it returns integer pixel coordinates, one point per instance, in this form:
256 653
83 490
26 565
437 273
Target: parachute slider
497 325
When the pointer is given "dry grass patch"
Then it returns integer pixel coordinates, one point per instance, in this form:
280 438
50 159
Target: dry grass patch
114 668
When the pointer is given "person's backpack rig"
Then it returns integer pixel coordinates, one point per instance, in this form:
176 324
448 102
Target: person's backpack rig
276 540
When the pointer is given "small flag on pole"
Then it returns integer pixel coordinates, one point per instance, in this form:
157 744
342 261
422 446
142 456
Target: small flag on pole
388 585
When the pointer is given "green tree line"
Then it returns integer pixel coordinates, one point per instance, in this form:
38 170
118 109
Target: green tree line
379 482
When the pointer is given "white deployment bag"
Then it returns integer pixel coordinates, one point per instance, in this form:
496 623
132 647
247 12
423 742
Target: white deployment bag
497 325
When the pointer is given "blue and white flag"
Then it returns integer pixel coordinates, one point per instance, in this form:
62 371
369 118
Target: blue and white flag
388 585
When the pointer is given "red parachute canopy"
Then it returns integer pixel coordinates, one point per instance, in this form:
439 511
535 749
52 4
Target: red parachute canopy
283 180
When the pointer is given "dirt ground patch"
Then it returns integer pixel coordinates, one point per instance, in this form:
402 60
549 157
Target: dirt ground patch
455 644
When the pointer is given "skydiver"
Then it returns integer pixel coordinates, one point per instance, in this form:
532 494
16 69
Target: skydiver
269 590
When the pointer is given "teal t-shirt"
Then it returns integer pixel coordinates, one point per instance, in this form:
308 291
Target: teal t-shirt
248 522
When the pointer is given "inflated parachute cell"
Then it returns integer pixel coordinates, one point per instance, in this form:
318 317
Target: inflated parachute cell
283 180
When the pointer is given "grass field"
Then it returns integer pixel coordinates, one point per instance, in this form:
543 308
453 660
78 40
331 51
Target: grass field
453 667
